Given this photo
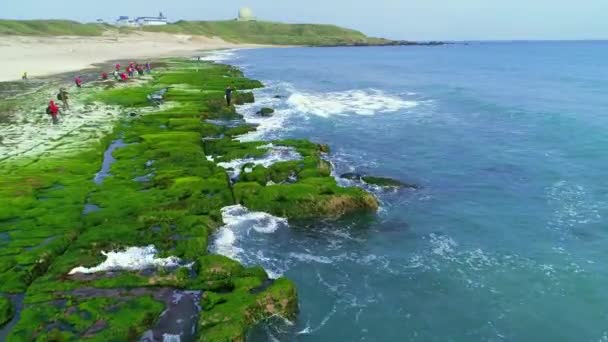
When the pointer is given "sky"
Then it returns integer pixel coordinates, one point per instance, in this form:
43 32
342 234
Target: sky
395 19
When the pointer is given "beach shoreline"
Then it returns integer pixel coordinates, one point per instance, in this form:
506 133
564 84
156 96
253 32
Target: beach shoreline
46 56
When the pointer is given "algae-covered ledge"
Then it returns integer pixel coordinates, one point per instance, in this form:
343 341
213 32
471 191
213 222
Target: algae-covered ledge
104 260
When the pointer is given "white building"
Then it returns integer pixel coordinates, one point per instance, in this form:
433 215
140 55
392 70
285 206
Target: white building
246 14
152 21
141 21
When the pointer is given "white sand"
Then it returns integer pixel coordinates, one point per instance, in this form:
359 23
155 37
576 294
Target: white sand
41 56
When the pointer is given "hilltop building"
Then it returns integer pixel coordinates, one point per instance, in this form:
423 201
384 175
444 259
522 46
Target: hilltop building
152 21
246 14
142 21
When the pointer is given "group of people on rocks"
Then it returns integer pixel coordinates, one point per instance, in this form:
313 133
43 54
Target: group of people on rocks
53 109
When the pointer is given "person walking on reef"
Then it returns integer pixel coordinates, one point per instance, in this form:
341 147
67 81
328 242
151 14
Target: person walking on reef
229 91
63 97
24 76
53 111
123 77
117 66
148 67
78 81
104 75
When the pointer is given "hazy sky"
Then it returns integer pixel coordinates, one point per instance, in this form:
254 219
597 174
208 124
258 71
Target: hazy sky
398 19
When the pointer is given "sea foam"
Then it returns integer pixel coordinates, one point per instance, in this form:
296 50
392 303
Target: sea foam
131 259
360 102
238 222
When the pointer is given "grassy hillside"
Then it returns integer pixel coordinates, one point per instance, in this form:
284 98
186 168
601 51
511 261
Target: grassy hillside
259 32
50 28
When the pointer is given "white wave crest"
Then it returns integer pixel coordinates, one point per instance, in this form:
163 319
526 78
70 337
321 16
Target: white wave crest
217 56
238 222
275 154
131 259
310 258
361 102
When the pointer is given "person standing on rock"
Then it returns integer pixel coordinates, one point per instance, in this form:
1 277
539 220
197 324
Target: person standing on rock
78 81
229 91
24 76
117 66
63 97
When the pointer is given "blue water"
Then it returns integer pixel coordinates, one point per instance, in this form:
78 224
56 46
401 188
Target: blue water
507 237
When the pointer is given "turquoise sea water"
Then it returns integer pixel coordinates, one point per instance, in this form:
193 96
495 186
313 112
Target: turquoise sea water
507 237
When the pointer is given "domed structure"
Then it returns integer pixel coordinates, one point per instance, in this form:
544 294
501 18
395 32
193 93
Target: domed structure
246 14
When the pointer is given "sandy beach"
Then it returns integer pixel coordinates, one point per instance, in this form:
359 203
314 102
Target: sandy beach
42 56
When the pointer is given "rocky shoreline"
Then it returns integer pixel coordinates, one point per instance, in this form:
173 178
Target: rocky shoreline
144 228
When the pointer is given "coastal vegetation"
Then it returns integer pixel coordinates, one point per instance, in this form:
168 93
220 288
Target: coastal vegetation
253 32
50 28
167 170
262 32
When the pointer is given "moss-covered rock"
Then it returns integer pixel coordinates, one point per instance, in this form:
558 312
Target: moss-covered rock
6 310
379 181
166 189
265 111
386 182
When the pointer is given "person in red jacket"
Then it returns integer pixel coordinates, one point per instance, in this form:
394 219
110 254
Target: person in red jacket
78 81
53 111
104 75
123 77
117 66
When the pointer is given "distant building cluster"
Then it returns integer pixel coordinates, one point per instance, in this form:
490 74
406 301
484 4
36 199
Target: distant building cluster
142 21
245 14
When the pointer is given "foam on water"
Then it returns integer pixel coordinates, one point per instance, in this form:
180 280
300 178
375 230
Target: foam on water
218 56
240 222
131 259
360 102
574 206
275 154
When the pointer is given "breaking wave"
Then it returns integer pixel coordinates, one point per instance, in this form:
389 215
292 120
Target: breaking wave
131 259
218 56
238 223
360 102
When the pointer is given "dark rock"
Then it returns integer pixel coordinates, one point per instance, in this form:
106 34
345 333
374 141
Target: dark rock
265 111
324 148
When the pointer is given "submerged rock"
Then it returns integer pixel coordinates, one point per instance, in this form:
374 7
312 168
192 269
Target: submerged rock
387 182
265 111
379 181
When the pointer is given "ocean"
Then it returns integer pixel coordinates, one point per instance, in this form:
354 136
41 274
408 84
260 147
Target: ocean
506 237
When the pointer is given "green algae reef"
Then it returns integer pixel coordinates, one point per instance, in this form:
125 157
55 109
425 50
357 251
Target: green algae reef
6 310
163 191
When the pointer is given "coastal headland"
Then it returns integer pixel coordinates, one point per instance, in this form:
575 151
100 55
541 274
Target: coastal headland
46 47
